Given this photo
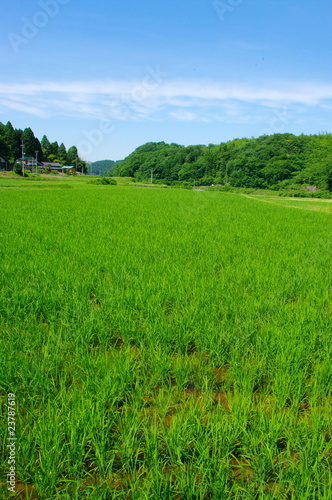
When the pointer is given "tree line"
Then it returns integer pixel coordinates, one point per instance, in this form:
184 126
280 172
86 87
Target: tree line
11 148
276 161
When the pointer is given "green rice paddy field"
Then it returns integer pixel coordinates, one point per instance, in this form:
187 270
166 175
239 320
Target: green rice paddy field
164 344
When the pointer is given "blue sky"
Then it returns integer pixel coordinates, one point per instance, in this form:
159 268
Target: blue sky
111 75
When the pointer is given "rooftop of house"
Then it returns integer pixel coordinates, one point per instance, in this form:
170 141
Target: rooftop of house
51 164
27 158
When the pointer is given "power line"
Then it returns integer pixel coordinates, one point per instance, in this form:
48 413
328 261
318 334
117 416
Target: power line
36 163
22 146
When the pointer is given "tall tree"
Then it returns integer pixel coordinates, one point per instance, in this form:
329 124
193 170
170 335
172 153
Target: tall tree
72 154
29 140
13 139
46 147
31 144
62 153
54 148
4 148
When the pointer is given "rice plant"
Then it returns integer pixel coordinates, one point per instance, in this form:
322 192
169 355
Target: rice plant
164 344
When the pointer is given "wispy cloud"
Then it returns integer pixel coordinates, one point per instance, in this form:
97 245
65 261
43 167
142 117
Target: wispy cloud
183 100
17 105
183 115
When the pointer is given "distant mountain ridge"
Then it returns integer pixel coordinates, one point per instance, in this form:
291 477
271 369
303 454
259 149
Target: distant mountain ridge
101 166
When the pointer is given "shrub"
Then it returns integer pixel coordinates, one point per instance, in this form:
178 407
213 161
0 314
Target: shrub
207 180
321 194
105 181
18 169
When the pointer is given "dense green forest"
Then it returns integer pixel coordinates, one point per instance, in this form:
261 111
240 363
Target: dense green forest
272 161
12 138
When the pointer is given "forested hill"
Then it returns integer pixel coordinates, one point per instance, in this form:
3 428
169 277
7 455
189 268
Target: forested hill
272 161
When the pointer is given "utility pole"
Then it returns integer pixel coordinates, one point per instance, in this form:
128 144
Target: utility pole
151 175
36 163
76 163
22 146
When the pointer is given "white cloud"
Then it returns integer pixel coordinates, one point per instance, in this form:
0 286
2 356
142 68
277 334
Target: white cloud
183 115
13 104
184 100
